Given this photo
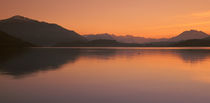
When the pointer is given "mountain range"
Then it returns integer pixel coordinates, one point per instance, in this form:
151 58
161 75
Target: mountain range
186 35
122 39
30 32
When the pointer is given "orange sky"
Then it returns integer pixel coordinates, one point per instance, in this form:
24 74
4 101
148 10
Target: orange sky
147 18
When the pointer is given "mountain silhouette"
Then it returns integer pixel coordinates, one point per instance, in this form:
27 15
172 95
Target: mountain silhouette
36 32
187 35
10 41
99 36
47 34
135 39
208 38
194 42
122 39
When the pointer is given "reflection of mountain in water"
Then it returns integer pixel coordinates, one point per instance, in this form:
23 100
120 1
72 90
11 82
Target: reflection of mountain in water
193 55
35 60
19 63
187 55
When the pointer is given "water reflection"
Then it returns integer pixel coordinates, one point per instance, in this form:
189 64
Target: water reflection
28 61
194 55
21 63
105 75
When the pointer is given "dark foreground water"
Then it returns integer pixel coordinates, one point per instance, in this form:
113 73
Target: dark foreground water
105 75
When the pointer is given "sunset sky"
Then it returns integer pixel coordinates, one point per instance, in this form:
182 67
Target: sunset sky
146 18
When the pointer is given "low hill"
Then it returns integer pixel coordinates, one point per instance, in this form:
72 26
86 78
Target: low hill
92 43
99 36
9 41
194 42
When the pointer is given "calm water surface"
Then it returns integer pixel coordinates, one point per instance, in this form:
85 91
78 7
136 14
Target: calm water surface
105 75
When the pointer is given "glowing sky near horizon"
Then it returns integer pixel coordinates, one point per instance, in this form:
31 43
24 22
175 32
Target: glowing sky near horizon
147 18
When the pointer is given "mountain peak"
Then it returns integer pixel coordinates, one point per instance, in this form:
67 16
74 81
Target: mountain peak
191 34
193 31
17 18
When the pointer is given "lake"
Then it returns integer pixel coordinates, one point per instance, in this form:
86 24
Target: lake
105 75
